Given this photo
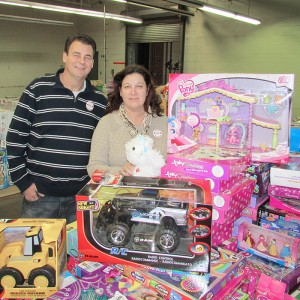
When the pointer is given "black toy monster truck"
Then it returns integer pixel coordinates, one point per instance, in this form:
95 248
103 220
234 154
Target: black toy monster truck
140 214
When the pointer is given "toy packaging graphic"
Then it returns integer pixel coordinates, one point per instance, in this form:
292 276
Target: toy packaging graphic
289 276
286 175
218 118
97 281
274 246
33 255
146 221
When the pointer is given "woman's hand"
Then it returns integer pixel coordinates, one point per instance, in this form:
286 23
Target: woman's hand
127 170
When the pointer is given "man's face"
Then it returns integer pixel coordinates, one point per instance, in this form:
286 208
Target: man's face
79 60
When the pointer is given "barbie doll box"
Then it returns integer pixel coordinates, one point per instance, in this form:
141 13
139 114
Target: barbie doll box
227 115
146 221
274 246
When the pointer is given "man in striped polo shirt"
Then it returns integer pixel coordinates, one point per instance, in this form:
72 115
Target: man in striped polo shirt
48 141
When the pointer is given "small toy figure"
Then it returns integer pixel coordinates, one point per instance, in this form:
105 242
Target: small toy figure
196 132
286 251
174 126
272 248
249 239
262 245
233 135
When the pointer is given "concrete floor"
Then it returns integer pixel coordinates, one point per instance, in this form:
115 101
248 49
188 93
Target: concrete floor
10 206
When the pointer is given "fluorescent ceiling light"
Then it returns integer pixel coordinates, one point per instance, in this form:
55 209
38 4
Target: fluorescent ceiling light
76 11
150 5
34 20
229 14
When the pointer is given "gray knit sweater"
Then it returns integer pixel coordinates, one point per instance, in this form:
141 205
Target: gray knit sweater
110 137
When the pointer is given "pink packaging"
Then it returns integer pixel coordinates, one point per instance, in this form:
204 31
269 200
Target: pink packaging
225 112
233 201
217 185
221 232
190 161
283 191
287 204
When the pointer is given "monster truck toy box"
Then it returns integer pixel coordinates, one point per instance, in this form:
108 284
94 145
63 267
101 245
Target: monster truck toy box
32 257
146 221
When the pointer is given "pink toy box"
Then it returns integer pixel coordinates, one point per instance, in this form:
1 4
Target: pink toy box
274 246
217 118
230 204
217 185
146 221
287 204
283 191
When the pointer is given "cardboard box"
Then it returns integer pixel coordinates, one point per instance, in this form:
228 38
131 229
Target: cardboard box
286 175
33 255
146 221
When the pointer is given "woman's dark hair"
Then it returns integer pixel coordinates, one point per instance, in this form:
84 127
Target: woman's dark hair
83 38
152 100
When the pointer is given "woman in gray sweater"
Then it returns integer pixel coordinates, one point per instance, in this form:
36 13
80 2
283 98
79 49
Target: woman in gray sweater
134 107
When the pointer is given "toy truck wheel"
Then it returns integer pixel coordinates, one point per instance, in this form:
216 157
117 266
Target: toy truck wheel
118 234
42 277
167 240
10 277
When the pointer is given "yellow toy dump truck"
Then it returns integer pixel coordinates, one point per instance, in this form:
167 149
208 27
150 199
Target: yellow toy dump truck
34 262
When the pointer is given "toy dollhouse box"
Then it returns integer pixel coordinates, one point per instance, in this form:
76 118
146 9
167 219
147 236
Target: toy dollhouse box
215 120
32 257
146 221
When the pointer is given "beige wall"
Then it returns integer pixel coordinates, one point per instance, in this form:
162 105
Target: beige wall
31 50
216 44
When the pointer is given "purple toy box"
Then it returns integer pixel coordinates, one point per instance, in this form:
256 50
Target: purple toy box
218 118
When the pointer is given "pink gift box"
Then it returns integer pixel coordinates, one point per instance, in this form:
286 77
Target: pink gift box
217 185
287 204
187 161
234 201
283 191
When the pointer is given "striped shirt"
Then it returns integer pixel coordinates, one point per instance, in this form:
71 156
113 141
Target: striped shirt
49 138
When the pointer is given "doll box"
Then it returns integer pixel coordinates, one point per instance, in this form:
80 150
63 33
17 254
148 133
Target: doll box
231 111
189 161
274 246
286 175
146 221
283 191
33 256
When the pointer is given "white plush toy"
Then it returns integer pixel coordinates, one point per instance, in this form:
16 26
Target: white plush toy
147 160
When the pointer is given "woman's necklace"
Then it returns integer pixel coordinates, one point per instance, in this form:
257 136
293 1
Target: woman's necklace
133 131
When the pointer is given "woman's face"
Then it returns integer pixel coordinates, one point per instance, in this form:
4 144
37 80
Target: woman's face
134 91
